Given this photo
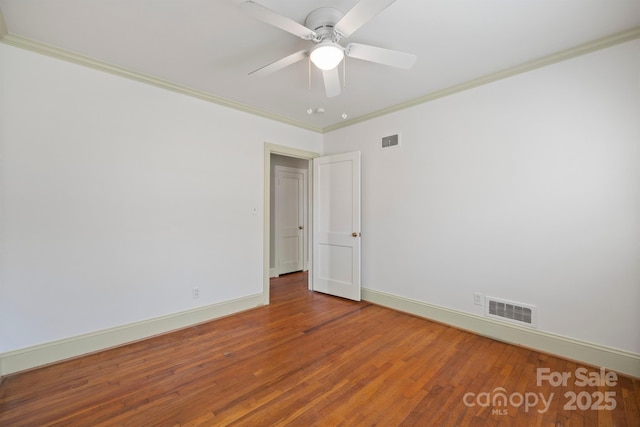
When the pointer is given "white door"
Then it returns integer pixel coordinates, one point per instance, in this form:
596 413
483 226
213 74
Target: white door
336 225
290 216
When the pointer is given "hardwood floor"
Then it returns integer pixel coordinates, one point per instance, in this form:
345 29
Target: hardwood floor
310 359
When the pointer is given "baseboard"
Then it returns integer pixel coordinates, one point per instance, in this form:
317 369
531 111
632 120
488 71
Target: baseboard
273 272
44 354
592 354
621 361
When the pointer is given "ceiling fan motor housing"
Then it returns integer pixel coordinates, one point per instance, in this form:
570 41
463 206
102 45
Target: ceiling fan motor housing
322 21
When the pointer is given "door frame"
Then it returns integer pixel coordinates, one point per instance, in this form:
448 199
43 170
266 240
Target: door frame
305 216
289 152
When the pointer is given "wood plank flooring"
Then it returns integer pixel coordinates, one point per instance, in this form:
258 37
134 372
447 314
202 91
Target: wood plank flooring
310 359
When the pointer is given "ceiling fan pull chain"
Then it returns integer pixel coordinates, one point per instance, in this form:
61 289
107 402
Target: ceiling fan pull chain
309 62
344 73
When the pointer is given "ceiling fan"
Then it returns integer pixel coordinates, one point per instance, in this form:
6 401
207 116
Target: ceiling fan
325 27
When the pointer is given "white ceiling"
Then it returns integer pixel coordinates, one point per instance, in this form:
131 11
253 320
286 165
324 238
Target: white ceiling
212 45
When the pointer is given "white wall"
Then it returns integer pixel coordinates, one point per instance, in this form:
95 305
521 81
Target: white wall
526 189
117 198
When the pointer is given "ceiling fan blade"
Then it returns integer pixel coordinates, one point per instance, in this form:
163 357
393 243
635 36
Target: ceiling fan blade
389 57
331 82
281 63
270 17
359 15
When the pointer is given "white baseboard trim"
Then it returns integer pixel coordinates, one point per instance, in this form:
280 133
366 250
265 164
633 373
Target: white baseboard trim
273 272
55 351
621 361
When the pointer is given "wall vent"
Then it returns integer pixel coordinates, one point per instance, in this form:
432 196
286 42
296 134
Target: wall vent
510 311
390 141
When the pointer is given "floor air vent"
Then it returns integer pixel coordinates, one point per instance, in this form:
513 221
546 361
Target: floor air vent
514 312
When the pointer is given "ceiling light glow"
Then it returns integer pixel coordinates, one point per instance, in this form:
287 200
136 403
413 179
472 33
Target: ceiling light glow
327 55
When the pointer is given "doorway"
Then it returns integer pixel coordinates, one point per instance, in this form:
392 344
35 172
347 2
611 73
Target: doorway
334 183
288 157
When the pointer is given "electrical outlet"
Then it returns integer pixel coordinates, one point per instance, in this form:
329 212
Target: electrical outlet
477 298
195 293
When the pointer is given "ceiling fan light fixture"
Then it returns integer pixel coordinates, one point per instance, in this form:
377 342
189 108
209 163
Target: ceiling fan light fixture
327 55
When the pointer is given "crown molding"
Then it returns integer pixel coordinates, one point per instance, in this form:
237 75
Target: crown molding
563 55
3 27
52 51
76 58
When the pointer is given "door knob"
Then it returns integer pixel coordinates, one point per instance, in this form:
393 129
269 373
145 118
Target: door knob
354 234
300 227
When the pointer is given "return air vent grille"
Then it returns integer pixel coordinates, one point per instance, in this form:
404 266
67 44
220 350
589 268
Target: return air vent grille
390 141
514 312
